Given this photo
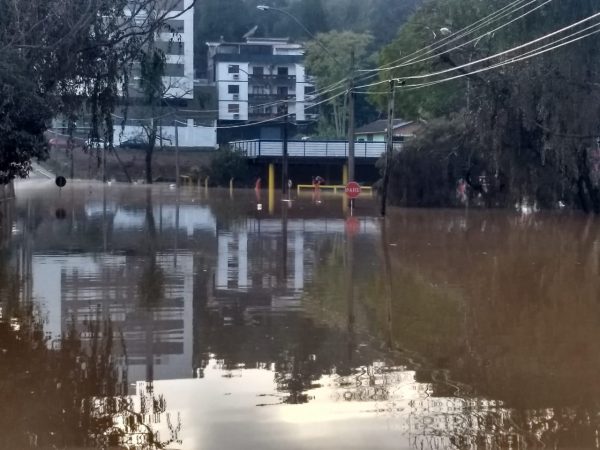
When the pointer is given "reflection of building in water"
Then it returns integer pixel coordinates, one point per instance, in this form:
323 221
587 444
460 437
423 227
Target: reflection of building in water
269 261
191 217
79 290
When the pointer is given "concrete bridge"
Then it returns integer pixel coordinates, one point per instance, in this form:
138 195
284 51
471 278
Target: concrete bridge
273 149
307 158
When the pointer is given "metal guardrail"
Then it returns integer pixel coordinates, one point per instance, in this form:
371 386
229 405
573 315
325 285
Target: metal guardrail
308 149
331 187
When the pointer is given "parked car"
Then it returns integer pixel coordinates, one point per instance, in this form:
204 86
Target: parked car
134 143
140 142
91 143
58 142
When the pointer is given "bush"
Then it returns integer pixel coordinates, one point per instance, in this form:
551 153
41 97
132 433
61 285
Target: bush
230 164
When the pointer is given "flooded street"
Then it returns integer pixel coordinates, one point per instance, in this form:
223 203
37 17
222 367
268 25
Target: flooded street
145 318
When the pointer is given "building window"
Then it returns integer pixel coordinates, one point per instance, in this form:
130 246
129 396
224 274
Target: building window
174 70
171 47
282 91
233 68
283 71
369 138
233 108
260 71
309 90
174 26
169 5
233 89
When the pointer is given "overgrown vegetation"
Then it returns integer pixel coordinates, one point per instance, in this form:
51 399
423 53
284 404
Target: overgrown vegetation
228 164
57 56
518 133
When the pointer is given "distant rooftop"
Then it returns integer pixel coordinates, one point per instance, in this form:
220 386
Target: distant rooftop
380 126
256 41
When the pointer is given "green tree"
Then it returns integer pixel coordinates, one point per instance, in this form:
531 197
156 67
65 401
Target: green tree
535 122
333 65
230 164
153 90
312 14
54 50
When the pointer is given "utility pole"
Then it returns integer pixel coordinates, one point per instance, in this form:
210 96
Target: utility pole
351 119
389 147
284 156
176 153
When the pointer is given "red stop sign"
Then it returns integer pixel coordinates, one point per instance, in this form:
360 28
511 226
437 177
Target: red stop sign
352 226
353 189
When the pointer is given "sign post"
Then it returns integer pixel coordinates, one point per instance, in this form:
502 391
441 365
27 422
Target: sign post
352 191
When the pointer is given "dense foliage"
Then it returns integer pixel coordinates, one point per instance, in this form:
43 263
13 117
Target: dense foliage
227 165
56 56
533 125
231 19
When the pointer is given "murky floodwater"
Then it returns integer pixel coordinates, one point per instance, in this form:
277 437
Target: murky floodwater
138 318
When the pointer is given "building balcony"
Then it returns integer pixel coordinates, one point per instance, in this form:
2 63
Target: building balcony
275 79
261 99
259 116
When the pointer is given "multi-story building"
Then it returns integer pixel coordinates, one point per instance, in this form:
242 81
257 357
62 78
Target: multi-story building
181 103
177 43
257 79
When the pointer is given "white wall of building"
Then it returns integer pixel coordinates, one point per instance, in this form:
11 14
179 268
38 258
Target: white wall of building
224 79
182 87
247 64
189 136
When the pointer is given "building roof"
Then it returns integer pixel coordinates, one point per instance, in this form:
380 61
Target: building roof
380 126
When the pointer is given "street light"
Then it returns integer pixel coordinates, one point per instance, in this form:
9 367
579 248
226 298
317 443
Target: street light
295 19
350 84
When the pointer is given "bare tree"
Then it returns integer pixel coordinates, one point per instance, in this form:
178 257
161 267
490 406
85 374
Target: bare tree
53 49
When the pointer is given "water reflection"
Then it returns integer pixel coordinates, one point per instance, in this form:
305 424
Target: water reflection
155 318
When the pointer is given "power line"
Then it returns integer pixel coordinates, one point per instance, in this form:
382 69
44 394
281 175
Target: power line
273 119
527 55
496 55
477 25
487 33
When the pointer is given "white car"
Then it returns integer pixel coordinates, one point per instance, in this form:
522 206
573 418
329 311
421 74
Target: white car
94 143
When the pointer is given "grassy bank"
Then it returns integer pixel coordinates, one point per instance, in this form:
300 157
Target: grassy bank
87 165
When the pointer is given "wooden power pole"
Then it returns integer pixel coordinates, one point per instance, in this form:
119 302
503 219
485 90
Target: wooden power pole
351 119
389 147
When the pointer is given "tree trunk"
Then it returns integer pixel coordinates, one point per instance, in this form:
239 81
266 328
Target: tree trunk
149 152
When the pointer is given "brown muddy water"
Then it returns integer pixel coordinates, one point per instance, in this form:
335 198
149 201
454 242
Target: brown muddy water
145 318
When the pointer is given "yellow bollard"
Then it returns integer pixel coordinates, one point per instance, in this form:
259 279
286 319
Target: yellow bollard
345 174
231 188
271 188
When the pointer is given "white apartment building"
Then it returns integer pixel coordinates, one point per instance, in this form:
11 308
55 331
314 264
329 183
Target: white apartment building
177 42
256 78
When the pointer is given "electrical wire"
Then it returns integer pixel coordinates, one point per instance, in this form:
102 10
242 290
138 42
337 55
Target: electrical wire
528 55
475 26
497 15
277 118
496 55
488 33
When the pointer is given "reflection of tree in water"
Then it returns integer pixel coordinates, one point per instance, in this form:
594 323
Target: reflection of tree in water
47 394
152 281
73 395
296 376
485 427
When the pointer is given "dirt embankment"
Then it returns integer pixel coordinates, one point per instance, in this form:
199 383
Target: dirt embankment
87 165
